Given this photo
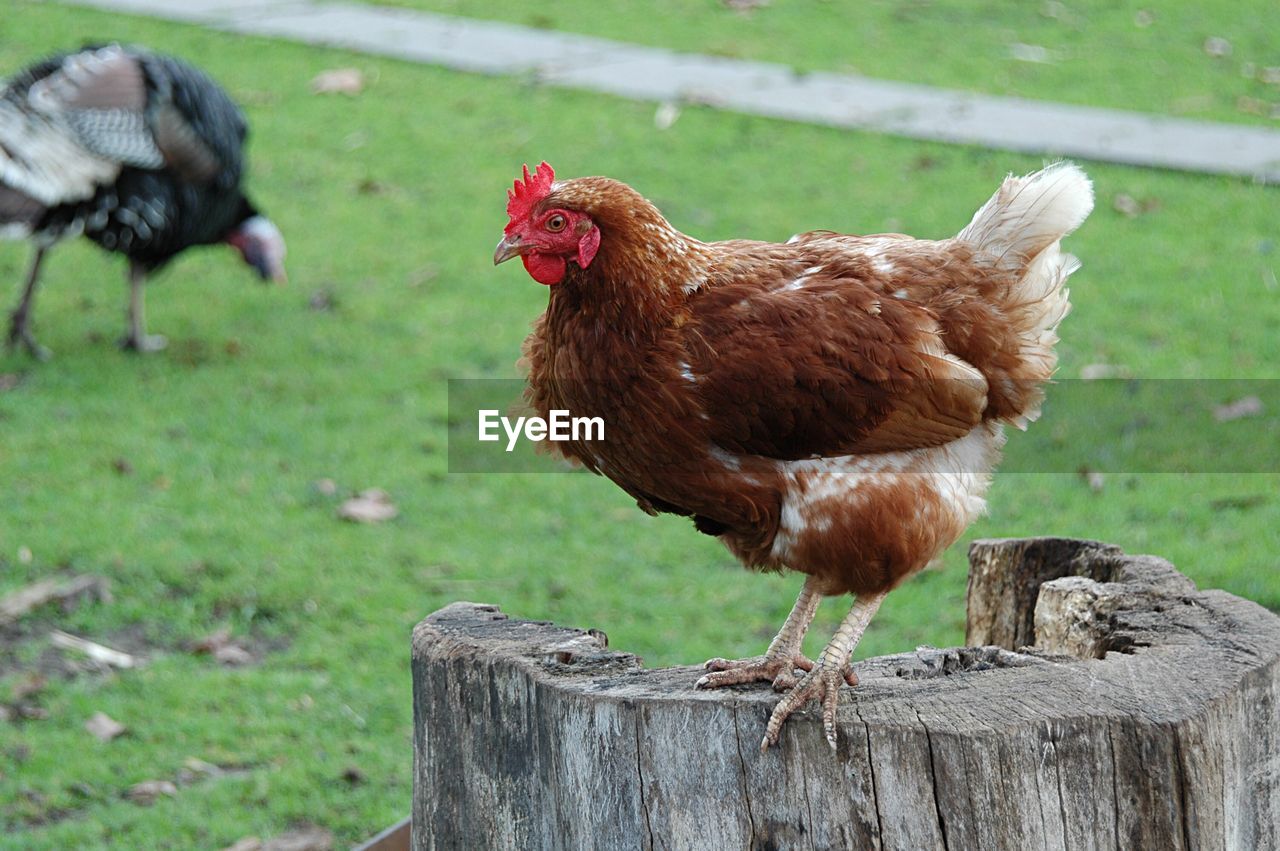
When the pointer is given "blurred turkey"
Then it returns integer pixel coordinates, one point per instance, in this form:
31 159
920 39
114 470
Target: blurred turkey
141 153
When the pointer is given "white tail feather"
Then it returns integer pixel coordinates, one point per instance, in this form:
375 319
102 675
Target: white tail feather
1028 214
1018 230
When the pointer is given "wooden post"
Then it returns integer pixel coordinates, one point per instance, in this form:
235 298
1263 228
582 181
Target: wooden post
1144 715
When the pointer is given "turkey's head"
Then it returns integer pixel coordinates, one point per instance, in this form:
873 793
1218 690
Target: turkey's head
262 246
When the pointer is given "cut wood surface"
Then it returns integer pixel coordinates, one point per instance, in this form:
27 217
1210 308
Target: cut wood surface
1141 714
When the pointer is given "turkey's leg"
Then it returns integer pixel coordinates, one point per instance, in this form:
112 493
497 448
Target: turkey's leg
782 656
136 338
823 682
20 319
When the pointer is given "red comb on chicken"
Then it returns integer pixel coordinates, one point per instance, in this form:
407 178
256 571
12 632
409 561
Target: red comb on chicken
545 239
833 405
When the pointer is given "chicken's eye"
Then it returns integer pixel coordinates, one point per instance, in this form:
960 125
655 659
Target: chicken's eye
556 223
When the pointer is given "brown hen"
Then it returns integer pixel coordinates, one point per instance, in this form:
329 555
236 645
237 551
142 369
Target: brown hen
832 405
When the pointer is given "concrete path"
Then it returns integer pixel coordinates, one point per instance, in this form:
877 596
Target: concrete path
755 88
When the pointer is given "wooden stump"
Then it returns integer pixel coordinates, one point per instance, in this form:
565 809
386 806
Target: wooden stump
1146 715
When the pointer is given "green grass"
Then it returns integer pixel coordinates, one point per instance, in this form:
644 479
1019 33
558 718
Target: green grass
1144 56
219 522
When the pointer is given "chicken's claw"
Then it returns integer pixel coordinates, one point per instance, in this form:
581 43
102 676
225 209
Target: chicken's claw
823 684
730 672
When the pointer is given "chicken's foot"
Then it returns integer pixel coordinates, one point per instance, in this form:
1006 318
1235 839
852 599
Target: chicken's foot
20 319
780 660
823 682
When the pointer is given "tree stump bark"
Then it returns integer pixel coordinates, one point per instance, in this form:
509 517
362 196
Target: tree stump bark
1112 706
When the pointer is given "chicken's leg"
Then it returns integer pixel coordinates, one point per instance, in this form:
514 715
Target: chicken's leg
782 656
20 319
136 338
823 682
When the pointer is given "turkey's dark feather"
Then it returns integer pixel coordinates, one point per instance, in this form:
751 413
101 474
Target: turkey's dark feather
204 121
150 215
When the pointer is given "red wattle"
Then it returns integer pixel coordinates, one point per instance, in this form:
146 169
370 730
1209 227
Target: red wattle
545 268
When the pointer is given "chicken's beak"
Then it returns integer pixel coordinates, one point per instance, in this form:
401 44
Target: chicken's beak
508 248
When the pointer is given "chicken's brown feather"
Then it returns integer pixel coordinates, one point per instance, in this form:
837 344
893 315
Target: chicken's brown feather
830 404
877 378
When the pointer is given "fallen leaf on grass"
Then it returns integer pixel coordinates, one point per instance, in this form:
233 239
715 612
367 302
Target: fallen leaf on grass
212 641
346 81
225 651
104 727
1249 406
1129 206
9 380
322 300
28 686
249 843
148 791
1094 479
1217 47
195 769
666 115
368 506
306 839
1126 206
233 656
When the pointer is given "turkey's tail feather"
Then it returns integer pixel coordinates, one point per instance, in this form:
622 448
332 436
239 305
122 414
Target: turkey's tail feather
41 162
1019 230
